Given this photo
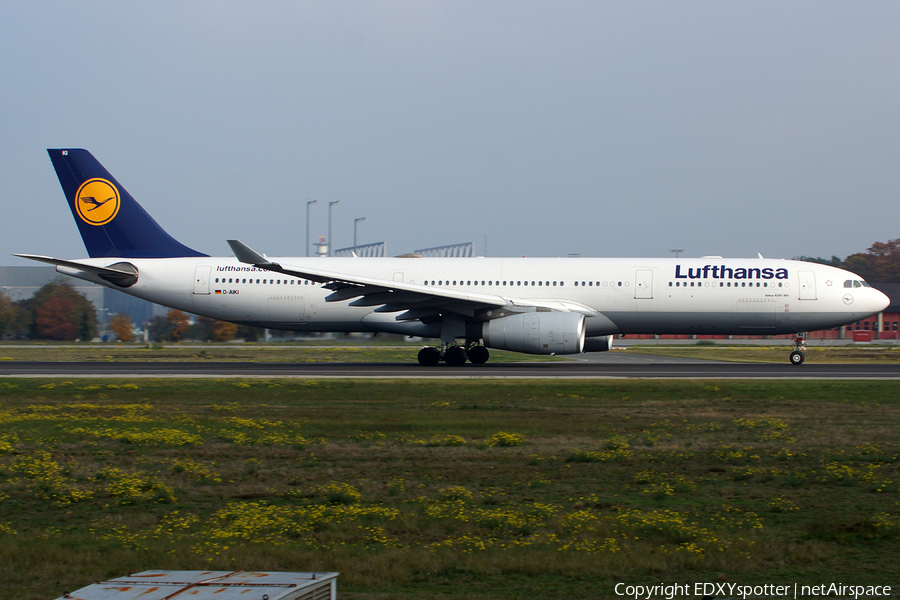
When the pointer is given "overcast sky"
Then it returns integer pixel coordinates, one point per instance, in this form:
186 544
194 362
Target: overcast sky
596 128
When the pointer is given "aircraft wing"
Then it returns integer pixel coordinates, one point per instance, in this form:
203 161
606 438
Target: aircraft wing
413 301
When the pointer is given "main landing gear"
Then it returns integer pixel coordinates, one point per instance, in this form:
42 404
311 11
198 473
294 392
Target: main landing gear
453 355
799 345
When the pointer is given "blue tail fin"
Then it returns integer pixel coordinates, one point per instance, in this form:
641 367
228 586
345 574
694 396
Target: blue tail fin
111 223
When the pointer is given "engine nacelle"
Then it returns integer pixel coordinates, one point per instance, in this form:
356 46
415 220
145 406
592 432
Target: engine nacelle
600 343
536 333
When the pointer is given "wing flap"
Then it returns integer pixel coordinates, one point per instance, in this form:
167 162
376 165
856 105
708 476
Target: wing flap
379 298
346 293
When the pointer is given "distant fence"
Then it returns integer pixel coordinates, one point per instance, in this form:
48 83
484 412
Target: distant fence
364 250
450 251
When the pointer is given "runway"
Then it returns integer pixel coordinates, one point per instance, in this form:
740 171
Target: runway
650 367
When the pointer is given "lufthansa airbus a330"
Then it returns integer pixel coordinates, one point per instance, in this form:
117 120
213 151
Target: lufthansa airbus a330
542 306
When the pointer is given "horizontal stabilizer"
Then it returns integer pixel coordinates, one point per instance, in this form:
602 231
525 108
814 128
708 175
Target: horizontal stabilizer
122 274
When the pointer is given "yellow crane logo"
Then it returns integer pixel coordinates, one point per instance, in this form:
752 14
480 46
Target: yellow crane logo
97 201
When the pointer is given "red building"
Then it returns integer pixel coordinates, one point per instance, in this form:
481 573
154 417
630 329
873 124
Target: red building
883 326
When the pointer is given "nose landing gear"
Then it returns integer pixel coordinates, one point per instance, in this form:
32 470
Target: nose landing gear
799 345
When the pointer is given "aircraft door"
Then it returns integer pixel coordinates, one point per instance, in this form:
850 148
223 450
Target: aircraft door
643 284
201 279
807 285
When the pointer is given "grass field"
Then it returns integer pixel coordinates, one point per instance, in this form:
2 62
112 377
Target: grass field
451 489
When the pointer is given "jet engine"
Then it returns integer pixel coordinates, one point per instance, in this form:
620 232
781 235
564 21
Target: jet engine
600 343
536 333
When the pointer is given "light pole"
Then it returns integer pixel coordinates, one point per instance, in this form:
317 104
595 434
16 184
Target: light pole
308 204
355 221
330 204
677 252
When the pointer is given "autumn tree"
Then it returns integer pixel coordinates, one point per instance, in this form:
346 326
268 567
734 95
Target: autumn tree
879 264
207 329
61 313
52 319
121 326
158 329
15 320
7 315
222 331
179 323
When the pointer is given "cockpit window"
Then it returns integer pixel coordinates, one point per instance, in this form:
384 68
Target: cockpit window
855 283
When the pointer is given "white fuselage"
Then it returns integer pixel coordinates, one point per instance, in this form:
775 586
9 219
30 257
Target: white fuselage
617 295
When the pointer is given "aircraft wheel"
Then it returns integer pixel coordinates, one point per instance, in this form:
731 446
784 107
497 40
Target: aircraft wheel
797 357
429 357
478 355
455 356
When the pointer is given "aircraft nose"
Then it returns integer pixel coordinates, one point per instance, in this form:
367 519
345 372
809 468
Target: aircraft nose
880 301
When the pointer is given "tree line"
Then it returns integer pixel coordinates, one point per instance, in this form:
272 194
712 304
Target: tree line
55 312
58 312
879 264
